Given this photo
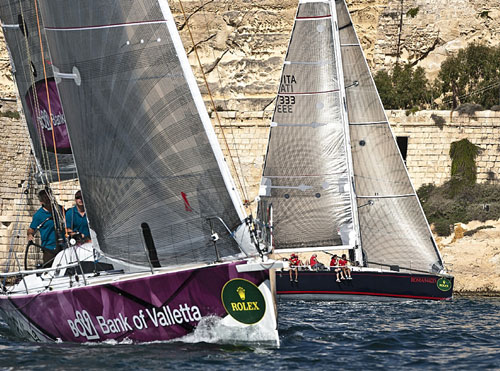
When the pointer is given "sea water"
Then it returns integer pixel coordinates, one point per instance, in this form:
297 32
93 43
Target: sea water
461 334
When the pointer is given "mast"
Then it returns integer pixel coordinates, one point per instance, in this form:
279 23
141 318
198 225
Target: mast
358 253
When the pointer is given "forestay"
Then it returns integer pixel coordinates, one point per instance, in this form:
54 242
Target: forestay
142 140
306 174
37 88
392 224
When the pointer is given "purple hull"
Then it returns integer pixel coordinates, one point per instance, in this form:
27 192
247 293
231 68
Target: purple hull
162 306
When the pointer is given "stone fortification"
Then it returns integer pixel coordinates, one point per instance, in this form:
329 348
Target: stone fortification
430 134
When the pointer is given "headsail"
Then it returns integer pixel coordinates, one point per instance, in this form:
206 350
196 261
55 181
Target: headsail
393 227
306 176
142 140
37 88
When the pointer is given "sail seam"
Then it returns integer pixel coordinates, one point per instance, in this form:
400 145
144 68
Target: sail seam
368 123
311 92
389 196
105 26
320 63
302 176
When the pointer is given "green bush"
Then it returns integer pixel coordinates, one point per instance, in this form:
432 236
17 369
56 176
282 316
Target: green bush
470 76
474 202
10 114
405 88
442 227
463 155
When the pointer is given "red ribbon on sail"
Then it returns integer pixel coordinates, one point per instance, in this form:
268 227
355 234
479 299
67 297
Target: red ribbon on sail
186 202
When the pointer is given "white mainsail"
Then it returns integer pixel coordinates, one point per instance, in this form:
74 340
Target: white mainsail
306 175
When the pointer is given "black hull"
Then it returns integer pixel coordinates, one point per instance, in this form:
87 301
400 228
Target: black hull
322 285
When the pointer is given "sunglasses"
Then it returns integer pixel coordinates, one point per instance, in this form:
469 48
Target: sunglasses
78 197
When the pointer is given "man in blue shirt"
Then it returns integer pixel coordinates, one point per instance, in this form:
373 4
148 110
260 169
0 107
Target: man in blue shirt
76 219
43 220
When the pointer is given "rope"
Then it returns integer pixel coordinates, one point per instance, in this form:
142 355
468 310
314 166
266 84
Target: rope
245 193
55 205
243 189
47 92
36 108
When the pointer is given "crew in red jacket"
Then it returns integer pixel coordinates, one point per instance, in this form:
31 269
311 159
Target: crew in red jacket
315 264
313 261
294 266
345 269
334 265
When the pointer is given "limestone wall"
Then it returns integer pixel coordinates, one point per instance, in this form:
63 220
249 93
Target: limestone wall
18 190
428 158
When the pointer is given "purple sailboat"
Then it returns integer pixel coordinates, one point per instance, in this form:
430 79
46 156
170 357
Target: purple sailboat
172 246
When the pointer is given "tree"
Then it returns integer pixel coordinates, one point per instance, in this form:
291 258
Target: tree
471 76
405 88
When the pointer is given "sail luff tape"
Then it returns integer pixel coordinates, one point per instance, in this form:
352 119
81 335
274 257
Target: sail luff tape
58 76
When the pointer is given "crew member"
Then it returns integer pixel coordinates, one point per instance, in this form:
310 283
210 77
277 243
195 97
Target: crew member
334 264
43 220
294 266
345 269
76 219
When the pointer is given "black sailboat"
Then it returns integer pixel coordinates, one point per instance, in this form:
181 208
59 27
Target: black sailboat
334 179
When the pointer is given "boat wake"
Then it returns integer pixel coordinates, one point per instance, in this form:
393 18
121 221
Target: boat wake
213 330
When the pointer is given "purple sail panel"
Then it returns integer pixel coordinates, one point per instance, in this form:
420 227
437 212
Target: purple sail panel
38 105
156 307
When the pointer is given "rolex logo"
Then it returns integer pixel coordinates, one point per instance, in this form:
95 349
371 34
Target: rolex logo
241 292
243 301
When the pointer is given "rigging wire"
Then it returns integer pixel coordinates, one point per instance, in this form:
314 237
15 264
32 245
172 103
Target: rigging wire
237 174
47 92
36 104
245 192
44 150
55 206
478 91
